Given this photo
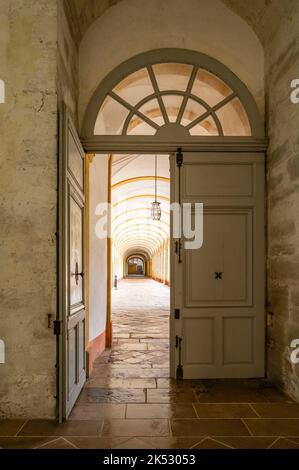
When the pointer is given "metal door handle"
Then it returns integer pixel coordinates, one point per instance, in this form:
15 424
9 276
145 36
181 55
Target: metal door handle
77 274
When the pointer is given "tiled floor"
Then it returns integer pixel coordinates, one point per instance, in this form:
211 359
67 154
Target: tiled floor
130 403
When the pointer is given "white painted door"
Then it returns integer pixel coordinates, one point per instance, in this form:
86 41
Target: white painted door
218 289
71 324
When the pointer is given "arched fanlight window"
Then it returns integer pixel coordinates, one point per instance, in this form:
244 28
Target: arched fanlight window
165 94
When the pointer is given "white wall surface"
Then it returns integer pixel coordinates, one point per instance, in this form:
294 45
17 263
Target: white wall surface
98 249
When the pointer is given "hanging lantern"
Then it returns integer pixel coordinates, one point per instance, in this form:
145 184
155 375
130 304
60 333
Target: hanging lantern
156 206
156 210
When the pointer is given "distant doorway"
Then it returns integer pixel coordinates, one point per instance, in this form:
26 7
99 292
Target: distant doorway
135 266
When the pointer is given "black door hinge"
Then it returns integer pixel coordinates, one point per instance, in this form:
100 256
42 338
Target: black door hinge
57 327
179 370
179 157
177 313
178 250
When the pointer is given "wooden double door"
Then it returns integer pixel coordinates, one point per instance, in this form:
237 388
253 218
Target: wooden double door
217 326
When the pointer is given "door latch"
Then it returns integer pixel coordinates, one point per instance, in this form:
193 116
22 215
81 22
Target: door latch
57 327
77 274
177 341
177 313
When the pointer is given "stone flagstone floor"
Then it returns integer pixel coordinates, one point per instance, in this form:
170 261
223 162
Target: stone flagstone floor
129 402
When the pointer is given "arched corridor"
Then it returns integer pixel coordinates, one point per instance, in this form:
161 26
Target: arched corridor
136 183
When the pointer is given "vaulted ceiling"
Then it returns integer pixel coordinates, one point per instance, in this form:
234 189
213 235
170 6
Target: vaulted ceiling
262 15
133 191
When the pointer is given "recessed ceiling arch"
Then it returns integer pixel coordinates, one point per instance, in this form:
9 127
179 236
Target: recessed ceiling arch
137 179
151 244
153 238
135 255
140 229
139 196
136 245
138 210
141 222
131 252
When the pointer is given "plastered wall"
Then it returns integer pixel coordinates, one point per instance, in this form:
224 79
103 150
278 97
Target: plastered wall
282 66
160 264
98 248
28 164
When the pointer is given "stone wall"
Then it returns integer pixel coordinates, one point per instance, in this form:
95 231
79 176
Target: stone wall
67 62
282 66
28 153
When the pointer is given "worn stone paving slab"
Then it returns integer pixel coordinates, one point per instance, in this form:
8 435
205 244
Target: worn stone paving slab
112 395
208 427
128 372
276 410
273 427
246 442
136 427
97 442
224 410
164 410
96 411
42 427
126 383
170 396
23 442
10 427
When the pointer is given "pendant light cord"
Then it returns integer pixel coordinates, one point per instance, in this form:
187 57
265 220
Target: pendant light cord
155 178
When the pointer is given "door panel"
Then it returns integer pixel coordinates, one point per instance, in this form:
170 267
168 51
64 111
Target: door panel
201 334
76 251
221 285
201 265
75 160
228 180
238 340
72 366
227 250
